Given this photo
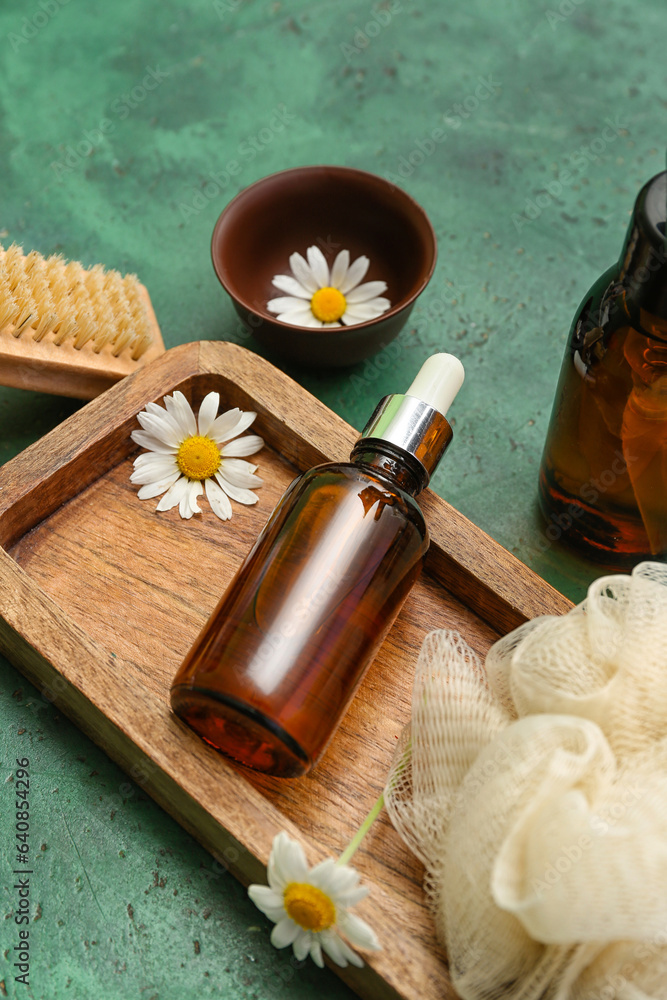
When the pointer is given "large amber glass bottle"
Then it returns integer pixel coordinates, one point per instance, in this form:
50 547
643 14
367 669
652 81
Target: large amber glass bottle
278 662
603 480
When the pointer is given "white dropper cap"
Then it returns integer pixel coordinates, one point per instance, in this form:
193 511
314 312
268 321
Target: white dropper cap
438 381
416 422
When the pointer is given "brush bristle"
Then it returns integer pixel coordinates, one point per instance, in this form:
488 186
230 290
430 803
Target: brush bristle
65 303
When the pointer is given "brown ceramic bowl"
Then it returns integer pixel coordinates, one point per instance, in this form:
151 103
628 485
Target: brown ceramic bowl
335 208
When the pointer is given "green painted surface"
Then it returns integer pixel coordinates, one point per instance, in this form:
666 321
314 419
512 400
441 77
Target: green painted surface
114 119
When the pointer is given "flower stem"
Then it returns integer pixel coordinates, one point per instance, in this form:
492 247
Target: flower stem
361 832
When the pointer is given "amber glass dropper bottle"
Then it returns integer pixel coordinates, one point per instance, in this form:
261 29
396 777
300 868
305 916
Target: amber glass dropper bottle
277 664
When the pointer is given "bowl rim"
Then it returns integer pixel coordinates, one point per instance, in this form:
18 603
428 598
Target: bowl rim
338 168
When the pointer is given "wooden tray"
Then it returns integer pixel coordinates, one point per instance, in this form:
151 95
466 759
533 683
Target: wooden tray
100 598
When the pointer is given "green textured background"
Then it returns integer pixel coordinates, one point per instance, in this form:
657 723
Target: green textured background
121 896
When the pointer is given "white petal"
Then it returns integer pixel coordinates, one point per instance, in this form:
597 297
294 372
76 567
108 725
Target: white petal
360 312
301 946
157 467
333 878
274 873
318 266
145 440
355 274
285 932
350 955
352 896
240 495
178 406
143 477
240 478
196 490
302 273
154 458
287 862
165 418
155 408
359 932
265 898
188 505
288 303
300 318
173 495
374 306
164 428
240 465
154 489
278 879
247 445
339 269
352 319
332 944
295 861
224 422
316 952
368 291
230 430
286 283
218 500
208 412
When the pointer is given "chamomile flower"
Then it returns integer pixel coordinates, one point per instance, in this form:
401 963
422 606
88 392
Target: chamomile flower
187 456
317 296
310 907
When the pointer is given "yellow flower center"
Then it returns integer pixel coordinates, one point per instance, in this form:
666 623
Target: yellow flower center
198 457
328 304
309 907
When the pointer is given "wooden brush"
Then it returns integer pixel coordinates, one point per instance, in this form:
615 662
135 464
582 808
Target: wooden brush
70 330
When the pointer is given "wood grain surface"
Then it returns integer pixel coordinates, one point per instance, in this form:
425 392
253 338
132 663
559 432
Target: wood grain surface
100 598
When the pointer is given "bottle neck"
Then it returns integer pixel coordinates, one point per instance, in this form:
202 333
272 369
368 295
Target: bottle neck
392 463
410 430
633 293
643 262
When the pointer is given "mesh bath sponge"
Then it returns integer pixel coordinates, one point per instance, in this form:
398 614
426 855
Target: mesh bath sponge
534 790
